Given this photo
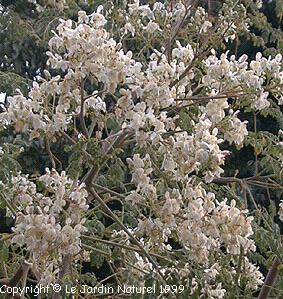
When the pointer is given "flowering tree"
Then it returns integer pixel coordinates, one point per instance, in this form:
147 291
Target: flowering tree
148 109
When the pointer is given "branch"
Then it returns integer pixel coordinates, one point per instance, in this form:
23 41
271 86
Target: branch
82 119
64 269
8 204
124 246
51 156
26 269
71 140
22 272
269 280
176 29
197 100
108 144
204 98
225 180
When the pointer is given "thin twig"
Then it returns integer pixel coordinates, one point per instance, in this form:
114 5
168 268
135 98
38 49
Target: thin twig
200 98
51 156
110 191
102 252
82 118
124 246
8 204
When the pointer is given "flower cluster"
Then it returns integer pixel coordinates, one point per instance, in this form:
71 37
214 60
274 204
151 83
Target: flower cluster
88 53
143 18
200 20
49 226
202 223
175 158
225 74
252 273
212 289
209 226
206 225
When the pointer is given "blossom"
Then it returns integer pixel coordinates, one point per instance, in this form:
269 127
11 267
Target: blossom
236 130
39 223
253 275
177 114
281 211
129 27
152 27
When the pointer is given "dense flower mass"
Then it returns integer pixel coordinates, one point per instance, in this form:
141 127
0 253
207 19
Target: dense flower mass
49 226
151 128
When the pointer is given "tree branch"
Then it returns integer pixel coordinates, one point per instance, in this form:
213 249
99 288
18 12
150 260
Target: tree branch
108 144
82 118
269 280
19 274
64 269
51 156
124 246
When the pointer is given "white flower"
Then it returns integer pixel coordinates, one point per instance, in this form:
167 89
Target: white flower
252 273
152 27
205 26
97 19
261 101
168 163
129 27
280 212
236 130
